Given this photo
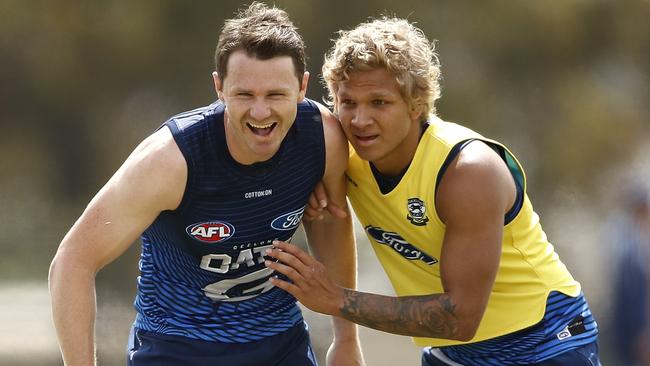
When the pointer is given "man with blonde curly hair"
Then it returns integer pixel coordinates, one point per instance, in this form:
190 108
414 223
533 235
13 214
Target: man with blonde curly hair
447 214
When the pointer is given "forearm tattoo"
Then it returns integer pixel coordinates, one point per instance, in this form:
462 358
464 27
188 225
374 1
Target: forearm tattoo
420 316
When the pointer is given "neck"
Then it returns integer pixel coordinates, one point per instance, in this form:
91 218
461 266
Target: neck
396 163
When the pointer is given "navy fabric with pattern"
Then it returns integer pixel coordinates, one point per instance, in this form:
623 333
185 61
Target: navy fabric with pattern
567 324
202 265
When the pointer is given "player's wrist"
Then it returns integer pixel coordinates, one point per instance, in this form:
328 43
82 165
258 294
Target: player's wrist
347 340
344 331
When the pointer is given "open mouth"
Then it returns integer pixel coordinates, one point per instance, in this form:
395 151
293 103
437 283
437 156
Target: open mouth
261 129
366 139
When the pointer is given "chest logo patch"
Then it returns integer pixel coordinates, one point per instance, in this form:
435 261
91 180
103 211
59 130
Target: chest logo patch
289 220
399 244
417 212
211 232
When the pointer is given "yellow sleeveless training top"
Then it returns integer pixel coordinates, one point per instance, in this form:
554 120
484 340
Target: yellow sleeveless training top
406 235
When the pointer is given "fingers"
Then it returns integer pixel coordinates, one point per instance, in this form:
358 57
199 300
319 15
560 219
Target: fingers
293 262
286 270
287 252
303 277
320 194
312 212
317 202
286 286
296 278
336 211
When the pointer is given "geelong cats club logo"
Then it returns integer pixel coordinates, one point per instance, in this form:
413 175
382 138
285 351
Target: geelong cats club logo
417 212
211 232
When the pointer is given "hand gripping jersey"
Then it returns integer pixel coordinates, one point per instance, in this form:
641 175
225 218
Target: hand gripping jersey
406 235
202 265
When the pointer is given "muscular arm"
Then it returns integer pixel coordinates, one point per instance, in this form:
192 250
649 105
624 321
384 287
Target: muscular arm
473 214
151 180
331 239
416 316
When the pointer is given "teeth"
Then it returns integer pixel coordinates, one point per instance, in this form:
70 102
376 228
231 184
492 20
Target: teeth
255 125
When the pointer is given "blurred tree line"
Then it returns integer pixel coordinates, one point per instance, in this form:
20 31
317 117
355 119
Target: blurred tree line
565 84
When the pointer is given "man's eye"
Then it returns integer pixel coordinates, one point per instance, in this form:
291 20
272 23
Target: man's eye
379 102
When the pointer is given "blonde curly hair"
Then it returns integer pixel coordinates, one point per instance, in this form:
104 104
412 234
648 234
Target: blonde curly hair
391 43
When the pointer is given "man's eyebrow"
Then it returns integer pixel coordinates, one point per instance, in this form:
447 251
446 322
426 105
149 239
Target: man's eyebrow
381 94
282 90
375 94
279 90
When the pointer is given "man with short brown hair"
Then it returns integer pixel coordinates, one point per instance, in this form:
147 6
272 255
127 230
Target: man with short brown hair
210 191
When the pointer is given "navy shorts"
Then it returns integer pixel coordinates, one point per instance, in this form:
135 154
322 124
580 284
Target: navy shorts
291 348
586 355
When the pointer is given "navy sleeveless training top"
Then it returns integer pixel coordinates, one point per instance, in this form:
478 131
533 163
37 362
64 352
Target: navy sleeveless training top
202 265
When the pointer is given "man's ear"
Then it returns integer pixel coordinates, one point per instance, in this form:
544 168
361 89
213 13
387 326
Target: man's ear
416 111
303 86
218 85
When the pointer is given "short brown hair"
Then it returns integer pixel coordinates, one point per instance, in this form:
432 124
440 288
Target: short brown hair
393 44
261 32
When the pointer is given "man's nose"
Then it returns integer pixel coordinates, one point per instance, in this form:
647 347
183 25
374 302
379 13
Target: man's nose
361 117
260 110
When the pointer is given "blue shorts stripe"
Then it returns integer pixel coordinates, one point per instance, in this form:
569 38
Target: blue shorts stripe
567 324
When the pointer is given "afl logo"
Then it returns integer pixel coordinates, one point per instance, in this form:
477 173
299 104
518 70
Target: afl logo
211 232
288 221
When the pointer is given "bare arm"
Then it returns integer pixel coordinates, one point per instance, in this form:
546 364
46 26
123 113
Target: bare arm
331 239
151 180
469 262
319 202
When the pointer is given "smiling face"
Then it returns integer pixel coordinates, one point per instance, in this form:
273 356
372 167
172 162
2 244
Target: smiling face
261 98
379 123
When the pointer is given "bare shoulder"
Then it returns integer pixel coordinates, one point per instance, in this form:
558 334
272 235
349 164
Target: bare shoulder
152 179
336 157
478 157
158 166
161 149
332 128
476 178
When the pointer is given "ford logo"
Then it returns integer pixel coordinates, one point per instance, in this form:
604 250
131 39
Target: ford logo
289 220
